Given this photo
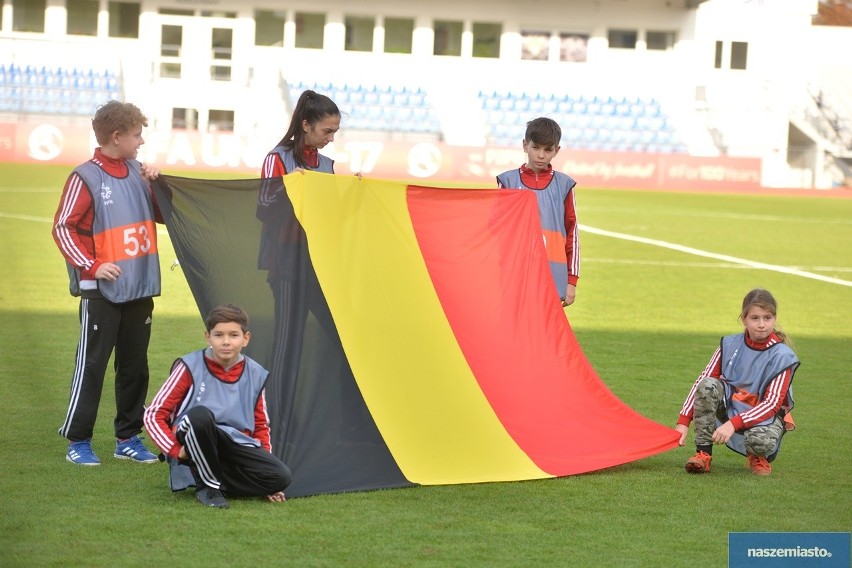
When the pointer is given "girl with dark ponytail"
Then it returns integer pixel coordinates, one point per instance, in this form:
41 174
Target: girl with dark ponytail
284 254
315 121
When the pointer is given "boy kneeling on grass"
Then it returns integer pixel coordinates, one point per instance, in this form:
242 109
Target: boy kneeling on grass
210 420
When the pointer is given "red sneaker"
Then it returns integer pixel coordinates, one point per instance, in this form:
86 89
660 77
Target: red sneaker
759 465
699 463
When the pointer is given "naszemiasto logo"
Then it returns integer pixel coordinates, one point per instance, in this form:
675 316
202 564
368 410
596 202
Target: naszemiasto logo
106 194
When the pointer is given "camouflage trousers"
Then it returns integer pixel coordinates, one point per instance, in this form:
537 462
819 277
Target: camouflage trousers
709 406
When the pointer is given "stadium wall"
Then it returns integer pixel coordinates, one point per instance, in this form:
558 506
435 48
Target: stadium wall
749 109
45 142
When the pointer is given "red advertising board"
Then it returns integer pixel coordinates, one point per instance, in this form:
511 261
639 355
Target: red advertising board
46 142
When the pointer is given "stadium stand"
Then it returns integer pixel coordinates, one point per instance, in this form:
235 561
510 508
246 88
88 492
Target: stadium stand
29 89
393 108
687 78
594 122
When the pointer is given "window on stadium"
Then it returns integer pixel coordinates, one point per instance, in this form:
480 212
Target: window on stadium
217 14
359 33
486 39
82 17
739 54
662 41
123 19
184 119
622 39
177 12
309 30
447 37
398 35
573 47
28 15
717 62
269 27
171 43
220 121
535 46
222 45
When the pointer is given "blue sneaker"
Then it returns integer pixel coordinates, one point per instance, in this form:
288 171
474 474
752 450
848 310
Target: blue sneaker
81 453
134 449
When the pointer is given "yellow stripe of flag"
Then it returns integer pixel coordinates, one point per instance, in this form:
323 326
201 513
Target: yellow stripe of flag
420 390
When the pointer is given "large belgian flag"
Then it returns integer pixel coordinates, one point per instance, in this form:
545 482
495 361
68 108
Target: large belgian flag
413 334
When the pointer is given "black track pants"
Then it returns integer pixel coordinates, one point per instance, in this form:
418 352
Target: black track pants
105 326
221 463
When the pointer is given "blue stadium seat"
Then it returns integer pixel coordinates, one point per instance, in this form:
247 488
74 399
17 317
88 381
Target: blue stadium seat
494 116
66 102
371 96
593 106
535 104
584 120
385 97
400 99
604 135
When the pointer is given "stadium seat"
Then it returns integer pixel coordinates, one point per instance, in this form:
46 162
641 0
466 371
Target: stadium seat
583 120
593 107
535 105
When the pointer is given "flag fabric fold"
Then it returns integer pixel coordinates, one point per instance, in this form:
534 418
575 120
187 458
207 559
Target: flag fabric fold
413 334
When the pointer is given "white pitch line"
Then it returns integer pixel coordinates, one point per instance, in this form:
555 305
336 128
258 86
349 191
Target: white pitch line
602 232
25 218
697 264
723 257
719 214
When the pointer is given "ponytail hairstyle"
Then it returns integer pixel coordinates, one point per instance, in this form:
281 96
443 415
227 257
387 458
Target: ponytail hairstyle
763 299
311 107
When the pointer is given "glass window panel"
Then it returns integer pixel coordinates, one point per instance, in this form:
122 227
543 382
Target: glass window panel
535 46
176 12
448 37
222 43
185 118
170 70
398 35
573 47
622 39
269 27
309 30
82 17
660 40
28 15
172 41
220 72
220 120
486 39
124 19
739 54
359 33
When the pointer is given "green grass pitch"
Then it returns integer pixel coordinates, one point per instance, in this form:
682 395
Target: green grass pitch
663 274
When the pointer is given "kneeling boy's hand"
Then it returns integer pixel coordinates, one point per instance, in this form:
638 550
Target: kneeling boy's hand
276 497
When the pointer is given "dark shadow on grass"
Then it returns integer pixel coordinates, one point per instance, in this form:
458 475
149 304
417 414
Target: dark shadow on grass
651 372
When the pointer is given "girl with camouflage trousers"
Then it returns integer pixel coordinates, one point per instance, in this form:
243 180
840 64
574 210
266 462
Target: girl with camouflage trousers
743 397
